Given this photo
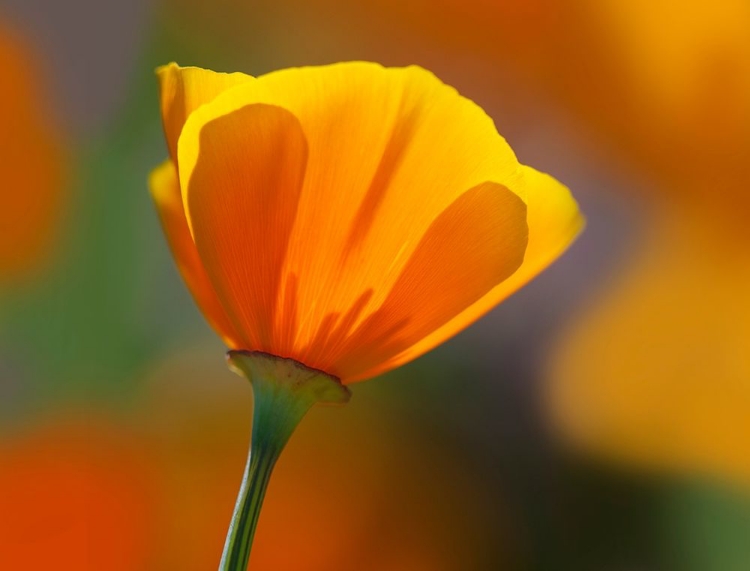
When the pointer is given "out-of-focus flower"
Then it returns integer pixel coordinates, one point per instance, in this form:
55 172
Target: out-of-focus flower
32 159
351 217
352 491
74 496
657 370
85 496
678 102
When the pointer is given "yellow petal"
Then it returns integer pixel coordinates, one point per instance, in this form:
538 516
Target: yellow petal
389 151
166 193
476 243
183 89
243 199
554 222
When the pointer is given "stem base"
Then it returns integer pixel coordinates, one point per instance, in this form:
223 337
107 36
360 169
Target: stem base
283 391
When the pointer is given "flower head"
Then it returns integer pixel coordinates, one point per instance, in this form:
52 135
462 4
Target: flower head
350 216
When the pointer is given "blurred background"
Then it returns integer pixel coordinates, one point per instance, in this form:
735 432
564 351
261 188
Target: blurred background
597 420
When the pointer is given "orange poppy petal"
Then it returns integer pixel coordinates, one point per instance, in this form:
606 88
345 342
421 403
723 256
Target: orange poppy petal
389 150
183 89
242 200
476 243
166 193
554 221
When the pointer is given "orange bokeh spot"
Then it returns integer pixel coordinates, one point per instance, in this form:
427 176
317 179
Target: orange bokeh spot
32 157
73 496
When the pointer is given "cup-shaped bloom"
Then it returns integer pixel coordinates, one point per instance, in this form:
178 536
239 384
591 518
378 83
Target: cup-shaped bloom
350 216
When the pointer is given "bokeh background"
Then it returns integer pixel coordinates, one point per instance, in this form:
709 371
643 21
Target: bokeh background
597 420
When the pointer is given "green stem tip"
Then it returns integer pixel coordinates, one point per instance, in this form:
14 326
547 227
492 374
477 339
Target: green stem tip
283 391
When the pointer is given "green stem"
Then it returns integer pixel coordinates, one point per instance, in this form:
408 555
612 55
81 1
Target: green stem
283 391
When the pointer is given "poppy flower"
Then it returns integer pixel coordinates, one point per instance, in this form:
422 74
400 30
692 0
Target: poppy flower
335 222
351 217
